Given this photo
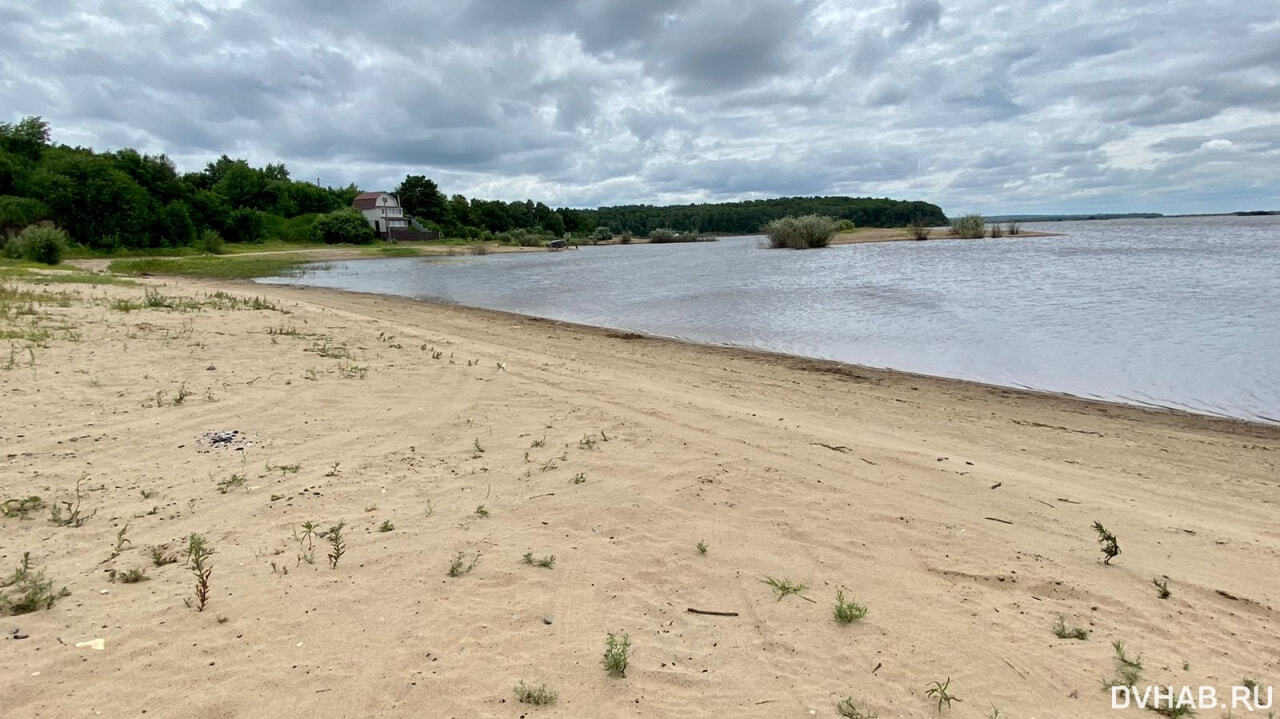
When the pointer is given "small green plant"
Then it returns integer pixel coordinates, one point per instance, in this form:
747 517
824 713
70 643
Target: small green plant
702 547
132 576
546 562
386 526
460 566
67 513
230 483
31 590
337 544
537 697
538 443
1110 548
579 478
20 508
587 442
847 709
1061 631
1162 587
308 535
848 611
1128 670
284 469
198 553
481 512
941 693
617 652
784 587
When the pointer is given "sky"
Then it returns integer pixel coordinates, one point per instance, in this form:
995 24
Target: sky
976 105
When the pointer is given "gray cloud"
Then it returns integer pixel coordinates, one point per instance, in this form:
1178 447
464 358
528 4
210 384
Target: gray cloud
1080 105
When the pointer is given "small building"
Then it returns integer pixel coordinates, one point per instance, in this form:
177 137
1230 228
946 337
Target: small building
383 212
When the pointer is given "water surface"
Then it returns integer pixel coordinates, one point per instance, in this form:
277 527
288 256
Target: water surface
1176 312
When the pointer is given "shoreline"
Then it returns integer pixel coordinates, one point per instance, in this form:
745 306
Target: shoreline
796 361
958 513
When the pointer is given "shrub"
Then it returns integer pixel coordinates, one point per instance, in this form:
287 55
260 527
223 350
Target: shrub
210 241
845 225
601 234
31 590
801 233
345 225
918 230
969 227
42 244
246 225
300 229
997 230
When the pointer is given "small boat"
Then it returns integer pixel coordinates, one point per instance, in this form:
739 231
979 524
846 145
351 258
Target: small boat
556 245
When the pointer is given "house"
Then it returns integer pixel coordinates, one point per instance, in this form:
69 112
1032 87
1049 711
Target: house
382 211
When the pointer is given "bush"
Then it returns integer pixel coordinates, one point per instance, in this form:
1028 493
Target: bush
40 244
969 227
246 225
918 230
845 226
601 234
210 241
666 234
343 226
801 233
300 229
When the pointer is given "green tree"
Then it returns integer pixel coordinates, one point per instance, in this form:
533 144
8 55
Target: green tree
421 197
174 226
245 225
27 137
343 226
18 212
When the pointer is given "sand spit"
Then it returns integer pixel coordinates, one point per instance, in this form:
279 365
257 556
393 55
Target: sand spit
958 514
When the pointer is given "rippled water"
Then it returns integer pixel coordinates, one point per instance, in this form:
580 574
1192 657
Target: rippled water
1179 312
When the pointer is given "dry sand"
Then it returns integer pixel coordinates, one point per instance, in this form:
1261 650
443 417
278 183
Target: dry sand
958 513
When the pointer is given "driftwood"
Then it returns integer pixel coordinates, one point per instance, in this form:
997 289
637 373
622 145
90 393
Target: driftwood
713 613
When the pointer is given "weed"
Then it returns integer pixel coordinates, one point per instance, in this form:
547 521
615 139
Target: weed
617 652
32 590
198 553
150 493
279 569
284 469
847 709
579 478
308 535
537 697
481 512
324 349
122 542
783 586
702 547
1110 548
479 450
284 330
460 566
548 465
546 562
337 544
587 442
941 692
67 514
161 557
350 371
1061 631
230 483
848 611
133 576
386 526
1128 671
538 443
20 508
333 470
182 395
1162 585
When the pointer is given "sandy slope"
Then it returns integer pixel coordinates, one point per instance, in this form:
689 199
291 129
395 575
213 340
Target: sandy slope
886 485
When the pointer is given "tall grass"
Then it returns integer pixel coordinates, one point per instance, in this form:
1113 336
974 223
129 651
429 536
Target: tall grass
969 227
801 233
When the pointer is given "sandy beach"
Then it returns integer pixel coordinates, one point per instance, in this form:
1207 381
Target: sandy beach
959 514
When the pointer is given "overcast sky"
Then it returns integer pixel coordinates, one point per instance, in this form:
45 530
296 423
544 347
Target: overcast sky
982 106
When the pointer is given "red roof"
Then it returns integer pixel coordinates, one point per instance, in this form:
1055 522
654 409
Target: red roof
367 200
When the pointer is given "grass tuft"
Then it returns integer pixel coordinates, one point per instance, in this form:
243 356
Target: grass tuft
1061 631
617 653
848 611
535 696
784 587
31 590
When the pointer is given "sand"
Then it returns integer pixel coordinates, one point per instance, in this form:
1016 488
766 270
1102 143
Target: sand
958 513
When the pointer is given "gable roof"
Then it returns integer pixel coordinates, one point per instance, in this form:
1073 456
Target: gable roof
368 200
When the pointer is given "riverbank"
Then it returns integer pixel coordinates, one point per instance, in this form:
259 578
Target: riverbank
899 234
958 513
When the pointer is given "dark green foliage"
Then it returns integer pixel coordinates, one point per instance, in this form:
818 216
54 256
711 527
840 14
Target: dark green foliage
749 216
245 225
342 226
28 590
421 197
1110 548
40 244
19 212
210 241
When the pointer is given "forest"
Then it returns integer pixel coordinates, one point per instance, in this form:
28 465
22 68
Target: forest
125 200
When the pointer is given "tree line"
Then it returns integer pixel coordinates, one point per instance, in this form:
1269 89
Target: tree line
128 200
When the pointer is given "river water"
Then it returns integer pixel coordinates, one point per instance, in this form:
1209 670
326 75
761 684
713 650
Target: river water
1171 312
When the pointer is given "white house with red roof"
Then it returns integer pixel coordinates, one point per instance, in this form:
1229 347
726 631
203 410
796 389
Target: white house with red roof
383 212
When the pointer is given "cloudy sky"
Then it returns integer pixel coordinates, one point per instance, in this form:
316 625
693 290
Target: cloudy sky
977 105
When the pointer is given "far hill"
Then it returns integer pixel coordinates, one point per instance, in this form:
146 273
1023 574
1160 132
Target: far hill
747 217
